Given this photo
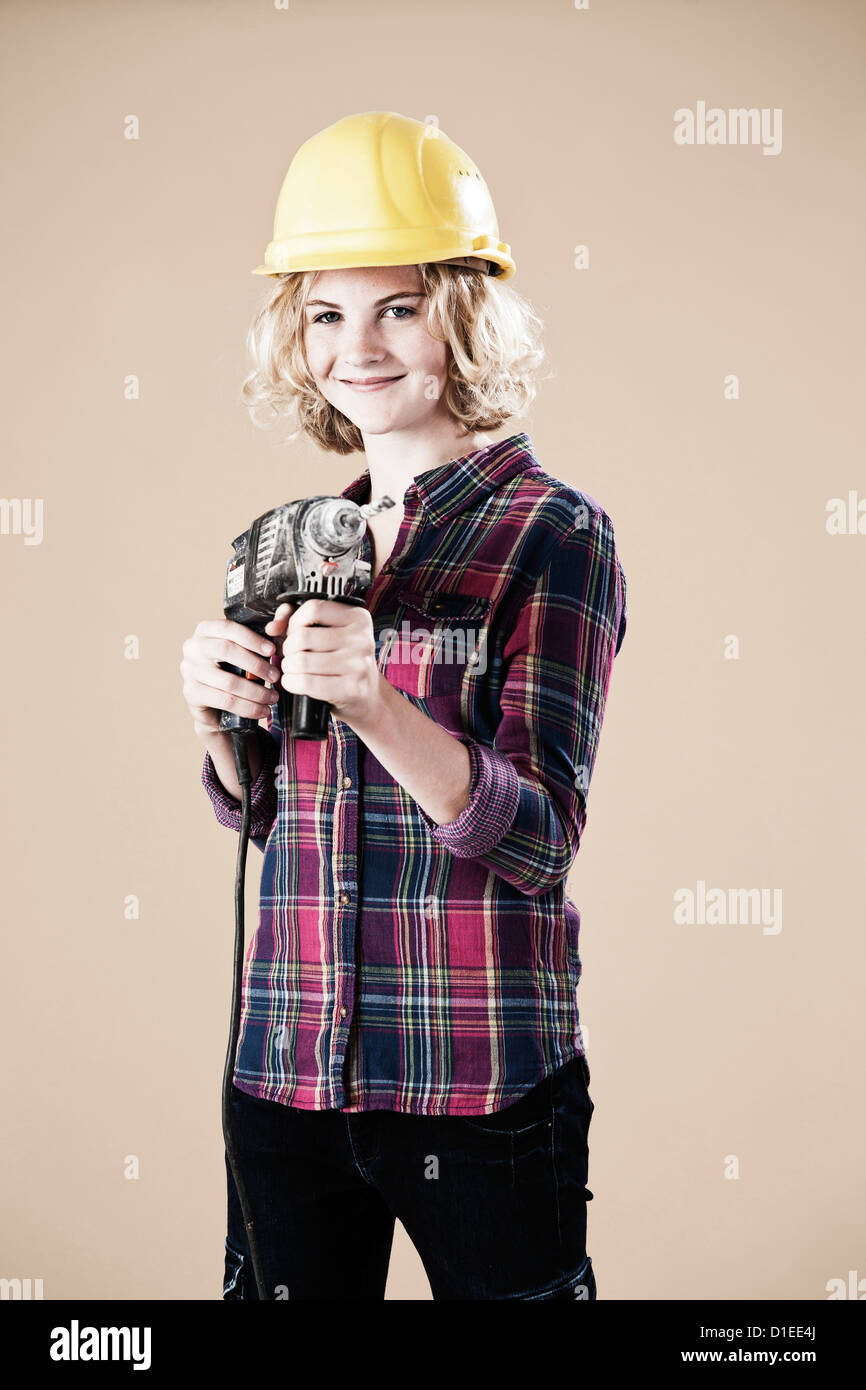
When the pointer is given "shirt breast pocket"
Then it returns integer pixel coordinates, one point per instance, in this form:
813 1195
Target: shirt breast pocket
437 640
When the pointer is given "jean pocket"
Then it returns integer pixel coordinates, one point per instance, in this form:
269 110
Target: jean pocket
528 1117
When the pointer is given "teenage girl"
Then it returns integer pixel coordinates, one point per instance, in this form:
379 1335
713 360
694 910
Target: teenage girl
410 1045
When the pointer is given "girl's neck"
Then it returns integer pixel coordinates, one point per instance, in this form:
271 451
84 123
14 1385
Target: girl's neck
396 458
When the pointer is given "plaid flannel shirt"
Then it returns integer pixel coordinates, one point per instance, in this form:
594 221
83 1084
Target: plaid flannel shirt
432 968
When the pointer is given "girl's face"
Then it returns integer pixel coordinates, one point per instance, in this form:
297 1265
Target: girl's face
368 348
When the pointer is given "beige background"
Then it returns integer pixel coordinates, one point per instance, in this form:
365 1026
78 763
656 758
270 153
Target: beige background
132 257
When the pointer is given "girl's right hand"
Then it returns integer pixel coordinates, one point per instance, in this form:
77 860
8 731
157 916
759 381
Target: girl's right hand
208 689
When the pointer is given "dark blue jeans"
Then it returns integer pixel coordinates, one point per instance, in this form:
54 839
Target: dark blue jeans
495 1205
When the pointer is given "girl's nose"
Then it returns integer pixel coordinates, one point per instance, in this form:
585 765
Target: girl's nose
359 344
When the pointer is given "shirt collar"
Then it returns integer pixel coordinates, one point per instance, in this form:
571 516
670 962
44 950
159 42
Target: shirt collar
453 487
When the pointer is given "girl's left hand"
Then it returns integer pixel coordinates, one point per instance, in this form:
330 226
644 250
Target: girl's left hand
329 653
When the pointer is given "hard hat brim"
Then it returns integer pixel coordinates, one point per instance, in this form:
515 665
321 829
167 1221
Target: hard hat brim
281 258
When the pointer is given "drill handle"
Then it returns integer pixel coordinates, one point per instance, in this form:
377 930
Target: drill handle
230 722
309 716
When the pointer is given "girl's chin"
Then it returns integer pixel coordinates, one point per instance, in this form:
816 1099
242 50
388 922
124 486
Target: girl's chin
370 412
373 421
371 425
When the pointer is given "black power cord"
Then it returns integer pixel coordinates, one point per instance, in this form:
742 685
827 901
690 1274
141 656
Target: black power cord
242 767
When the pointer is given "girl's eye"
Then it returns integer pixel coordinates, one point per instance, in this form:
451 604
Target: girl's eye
403 312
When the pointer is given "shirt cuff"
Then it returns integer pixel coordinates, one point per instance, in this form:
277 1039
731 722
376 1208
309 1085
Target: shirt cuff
494 794
263 793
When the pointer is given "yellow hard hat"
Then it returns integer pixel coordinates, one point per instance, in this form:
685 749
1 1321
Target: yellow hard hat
382 189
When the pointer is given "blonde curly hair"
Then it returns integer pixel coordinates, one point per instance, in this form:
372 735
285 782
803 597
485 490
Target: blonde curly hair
493 333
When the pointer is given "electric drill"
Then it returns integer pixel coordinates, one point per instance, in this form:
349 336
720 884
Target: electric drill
301 550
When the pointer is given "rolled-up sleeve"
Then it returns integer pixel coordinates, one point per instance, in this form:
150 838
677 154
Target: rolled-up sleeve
527 794
263 793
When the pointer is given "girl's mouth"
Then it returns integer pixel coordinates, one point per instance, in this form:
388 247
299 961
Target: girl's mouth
370 383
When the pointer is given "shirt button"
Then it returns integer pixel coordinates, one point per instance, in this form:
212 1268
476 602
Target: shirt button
345 898
343 1012
347 781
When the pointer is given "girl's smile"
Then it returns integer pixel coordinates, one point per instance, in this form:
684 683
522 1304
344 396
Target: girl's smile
371 383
